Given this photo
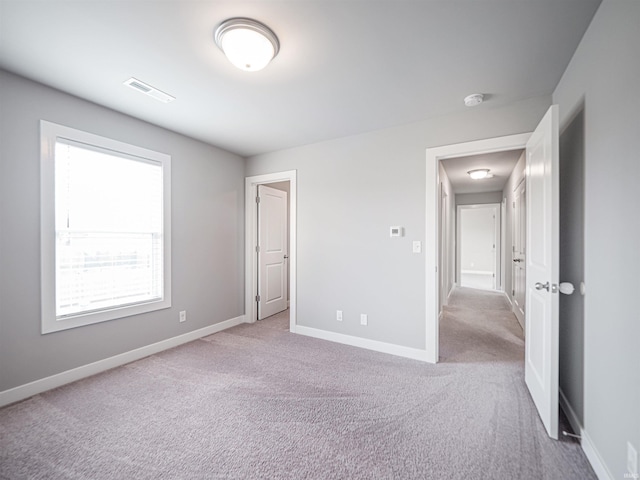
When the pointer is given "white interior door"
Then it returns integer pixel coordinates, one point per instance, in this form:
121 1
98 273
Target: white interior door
542 267
272 251
519 253
478 245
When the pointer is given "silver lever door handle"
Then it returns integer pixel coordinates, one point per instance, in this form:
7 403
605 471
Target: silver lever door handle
540 286
286 256
517 260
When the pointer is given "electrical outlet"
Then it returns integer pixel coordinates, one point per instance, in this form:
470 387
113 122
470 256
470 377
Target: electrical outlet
183 316
339 315
632 460
363 319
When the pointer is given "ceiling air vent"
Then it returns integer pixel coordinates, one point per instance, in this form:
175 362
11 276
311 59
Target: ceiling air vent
149 90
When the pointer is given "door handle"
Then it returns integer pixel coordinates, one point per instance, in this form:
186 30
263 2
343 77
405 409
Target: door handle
540 286
517 260
286 256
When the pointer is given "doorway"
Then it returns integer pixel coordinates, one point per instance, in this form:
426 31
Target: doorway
478 242
434 156
518 249
273 248
251 235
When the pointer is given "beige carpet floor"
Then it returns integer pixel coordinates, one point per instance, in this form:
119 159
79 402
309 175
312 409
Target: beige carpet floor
257 402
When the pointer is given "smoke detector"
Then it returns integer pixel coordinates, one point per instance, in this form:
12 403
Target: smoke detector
473 99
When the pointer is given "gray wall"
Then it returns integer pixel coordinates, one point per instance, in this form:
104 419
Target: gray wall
602 80
517 175
350 191
572 263
207 240
447 229
478 198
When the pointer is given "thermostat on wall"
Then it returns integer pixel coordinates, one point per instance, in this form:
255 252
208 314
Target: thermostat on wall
395 231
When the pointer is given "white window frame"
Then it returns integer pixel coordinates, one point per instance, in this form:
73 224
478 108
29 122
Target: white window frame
49 133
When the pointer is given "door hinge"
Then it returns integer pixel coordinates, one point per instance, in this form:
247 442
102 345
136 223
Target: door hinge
514 204
513 292
257 199
257 249
257 298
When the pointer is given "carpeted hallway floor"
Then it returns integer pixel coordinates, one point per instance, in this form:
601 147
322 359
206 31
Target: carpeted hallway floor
257 402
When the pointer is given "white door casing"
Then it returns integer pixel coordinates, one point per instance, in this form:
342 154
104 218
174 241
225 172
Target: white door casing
519 253
251 234
542 269
272 251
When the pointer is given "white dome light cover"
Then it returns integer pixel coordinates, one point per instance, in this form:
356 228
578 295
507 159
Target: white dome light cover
248 44
479 173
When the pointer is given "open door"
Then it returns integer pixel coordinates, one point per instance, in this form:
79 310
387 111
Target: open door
542 271
519 238
272 251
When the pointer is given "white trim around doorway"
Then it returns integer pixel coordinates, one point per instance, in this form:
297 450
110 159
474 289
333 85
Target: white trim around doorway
251 225
434 155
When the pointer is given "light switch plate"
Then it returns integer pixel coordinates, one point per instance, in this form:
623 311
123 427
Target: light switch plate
417 246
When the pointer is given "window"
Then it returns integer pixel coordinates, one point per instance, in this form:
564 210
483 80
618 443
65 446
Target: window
105 229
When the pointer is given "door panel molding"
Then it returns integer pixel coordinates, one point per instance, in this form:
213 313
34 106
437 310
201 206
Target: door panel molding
272 251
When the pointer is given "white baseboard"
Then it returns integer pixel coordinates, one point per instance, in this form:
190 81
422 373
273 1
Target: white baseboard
508 299
38 386
598 465
476 272
375 345
570 413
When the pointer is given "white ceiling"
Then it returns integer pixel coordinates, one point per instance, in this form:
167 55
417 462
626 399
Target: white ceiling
345 67
500 165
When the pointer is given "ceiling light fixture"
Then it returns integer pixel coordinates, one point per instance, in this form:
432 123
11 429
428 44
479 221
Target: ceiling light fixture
473 99
248 44
479 173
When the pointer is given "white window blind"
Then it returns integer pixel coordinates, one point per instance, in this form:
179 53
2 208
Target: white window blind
105 227
108 217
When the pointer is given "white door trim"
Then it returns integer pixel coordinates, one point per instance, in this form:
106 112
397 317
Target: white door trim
251 232
434 155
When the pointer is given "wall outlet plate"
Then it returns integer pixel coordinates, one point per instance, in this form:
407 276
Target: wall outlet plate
183 316
339 315
364 320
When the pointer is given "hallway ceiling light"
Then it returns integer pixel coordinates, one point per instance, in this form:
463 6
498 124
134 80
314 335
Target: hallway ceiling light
479 173
248 44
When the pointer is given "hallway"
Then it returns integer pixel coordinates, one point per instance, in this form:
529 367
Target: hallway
481 337
478 326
